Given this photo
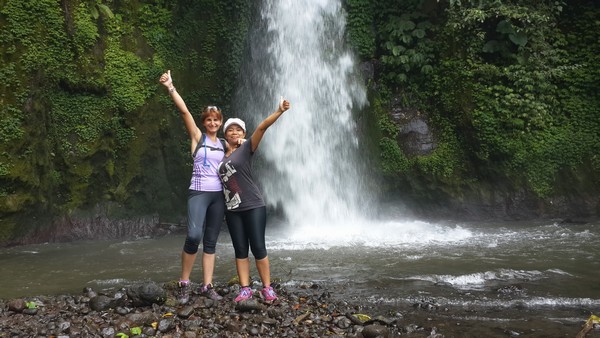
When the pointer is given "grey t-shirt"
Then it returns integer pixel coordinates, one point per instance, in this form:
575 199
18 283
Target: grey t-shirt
241 193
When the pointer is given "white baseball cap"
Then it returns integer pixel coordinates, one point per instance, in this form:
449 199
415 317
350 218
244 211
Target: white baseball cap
234 120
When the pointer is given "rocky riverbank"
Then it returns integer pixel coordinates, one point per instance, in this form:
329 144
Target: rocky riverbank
309 310
151 310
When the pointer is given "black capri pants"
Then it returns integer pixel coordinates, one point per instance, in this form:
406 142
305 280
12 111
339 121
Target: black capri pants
247 230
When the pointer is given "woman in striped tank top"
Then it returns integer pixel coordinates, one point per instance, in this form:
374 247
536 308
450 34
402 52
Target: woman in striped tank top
206 204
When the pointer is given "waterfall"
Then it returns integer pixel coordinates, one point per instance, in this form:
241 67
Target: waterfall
311 164
311 170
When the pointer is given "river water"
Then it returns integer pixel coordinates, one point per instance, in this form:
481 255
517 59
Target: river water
496 272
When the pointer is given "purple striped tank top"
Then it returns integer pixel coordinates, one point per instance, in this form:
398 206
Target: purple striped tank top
207 156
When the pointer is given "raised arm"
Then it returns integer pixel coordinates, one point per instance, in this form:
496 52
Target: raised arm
266 123
190 125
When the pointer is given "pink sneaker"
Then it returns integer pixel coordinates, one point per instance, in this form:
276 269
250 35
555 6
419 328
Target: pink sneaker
268 294
245 293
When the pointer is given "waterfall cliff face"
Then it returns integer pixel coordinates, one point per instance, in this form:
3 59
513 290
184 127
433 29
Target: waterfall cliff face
309 167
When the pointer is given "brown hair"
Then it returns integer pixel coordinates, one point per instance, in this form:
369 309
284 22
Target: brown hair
211 110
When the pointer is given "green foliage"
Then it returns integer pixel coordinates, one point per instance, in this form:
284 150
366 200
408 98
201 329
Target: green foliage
509 87
128 77
154 23
10 125
407 51
515 121
86 31
38 27
81 120
361 27
447 161
96 8
392 157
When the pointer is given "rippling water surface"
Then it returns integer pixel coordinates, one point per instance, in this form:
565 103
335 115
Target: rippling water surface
535 265
483 280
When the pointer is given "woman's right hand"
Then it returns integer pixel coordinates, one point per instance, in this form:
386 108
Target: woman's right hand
166 79
284 105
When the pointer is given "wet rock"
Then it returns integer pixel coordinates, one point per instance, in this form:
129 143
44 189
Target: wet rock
427 305
375 331
122 310
380 320
165 325
206 303
108 332
31 312
17 305
234 326
343 322
100 303
411 328
512 333
186 311
249 305
64 326
143 318
146 294
355 318
434 334
149 331
89 292
269 321
510 290
414 137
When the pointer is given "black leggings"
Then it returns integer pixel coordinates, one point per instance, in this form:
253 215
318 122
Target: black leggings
247 230
205 217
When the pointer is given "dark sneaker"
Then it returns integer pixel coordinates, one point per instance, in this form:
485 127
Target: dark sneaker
245 294
268 294
208 291
184 292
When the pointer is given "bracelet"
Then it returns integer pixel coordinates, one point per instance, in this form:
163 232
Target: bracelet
172 89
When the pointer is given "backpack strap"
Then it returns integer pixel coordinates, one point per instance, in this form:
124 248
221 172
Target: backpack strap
199 145
203 142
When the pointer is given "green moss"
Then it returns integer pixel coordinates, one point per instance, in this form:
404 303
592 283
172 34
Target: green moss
83 120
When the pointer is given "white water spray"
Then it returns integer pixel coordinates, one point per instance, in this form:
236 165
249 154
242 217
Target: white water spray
311 169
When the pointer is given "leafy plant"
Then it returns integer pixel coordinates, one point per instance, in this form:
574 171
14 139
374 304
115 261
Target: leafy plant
96 7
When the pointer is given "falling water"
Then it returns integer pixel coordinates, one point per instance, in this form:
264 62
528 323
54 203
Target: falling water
309 166
311 170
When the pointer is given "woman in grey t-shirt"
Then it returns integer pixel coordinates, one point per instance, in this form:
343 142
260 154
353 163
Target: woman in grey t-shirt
246 210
